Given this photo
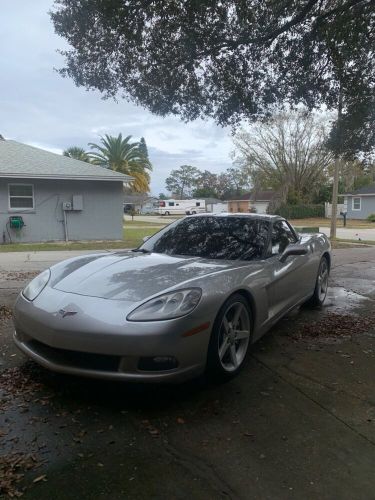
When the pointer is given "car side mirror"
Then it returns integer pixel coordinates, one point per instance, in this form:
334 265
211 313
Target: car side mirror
145 238
292 250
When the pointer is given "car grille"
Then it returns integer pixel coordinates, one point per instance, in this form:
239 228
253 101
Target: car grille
76 359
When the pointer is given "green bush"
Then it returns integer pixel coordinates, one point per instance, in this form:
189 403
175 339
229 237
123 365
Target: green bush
301 211
371 218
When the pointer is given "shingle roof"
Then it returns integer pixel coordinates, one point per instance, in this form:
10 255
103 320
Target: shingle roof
19 160
364 190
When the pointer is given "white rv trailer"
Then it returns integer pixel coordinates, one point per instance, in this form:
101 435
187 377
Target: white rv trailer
181 207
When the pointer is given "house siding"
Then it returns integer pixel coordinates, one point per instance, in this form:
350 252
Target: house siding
238 206
367 207
100 219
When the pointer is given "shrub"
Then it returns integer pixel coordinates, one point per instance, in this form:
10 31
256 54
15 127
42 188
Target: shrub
300 211
371 218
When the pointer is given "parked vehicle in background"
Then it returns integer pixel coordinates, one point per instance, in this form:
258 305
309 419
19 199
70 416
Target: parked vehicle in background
181 207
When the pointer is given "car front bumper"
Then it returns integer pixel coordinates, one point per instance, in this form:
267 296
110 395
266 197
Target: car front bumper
98 342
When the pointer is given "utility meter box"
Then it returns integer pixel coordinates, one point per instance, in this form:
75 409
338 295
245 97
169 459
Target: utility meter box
67 205
77 202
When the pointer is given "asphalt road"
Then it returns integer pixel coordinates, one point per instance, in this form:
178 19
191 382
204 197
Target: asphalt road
299 421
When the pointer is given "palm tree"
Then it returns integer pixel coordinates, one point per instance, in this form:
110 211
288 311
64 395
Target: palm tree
77 153
123 156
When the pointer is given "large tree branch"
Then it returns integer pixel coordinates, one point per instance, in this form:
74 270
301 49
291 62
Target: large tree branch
298 18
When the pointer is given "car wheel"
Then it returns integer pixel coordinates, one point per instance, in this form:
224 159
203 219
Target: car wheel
321 285
166 213
230 339
193 212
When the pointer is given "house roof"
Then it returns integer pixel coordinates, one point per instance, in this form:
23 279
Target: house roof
363 190
267 195
212 201
19 160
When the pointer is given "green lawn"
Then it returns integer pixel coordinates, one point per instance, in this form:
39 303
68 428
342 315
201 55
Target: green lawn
132 238
135 222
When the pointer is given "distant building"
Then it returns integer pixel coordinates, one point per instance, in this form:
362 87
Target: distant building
213 205
49 197
140 203
257 201
360 203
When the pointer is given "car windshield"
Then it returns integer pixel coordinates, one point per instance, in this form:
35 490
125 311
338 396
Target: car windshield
212 238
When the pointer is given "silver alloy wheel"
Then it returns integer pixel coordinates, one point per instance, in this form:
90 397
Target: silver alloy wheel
234 336
323 280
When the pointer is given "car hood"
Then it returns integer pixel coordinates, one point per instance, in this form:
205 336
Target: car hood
134 276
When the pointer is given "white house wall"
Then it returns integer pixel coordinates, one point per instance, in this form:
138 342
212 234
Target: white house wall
100 219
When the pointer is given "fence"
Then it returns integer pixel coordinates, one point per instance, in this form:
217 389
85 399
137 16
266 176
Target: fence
301 211
341 207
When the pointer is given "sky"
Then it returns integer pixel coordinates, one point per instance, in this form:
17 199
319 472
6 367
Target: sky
39 107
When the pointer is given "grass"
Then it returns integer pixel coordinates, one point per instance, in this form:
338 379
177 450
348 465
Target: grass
135 222
132 237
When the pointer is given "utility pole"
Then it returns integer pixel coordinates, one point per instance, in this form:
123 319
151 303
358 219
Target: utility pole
335 189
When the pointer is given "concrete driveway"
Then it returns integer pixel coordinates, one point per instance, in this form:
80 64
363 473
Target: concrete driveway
299 421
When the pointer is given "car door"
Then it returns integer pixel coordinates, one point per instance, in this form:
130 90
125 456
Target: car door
287 281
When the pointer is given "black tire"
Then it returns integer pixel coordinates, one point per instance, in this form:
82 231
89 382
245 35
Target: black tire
193 212
221 369
166 213
321 286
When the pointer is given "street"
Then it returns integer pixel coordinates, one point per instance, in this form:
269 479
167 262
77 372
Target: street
298 422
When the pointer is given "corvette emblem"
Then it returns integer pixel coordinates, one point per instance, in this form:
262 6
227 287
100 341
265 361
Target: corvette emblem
65 313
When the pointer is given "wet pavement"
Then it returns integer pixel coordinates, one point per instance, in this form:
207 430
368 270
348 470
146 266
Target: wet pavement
299 421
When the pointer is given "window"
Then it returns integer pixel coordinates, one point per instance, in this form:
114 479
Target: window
356 204
21 196
171 203
213 238
281 237
197 204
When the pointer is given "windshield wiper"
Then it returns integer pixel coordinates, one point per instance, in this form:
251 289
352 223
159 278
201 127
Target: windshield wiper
141 250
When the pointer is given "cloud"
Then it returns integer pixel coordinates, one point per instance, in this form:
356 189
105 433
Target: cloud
41 108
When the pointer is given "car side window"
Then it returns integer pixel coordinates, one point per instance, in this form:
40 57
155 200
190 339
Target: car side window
281 237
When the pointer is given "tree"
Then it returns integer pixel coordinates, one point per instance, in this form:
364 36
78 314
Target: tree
76 153
118 153
206 185
230 60
143 147
182 180
286 153
163 196
214 58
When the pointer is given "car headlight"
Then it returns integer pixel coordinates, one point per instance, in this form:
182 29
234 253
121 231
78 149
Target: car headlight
35 286
167 306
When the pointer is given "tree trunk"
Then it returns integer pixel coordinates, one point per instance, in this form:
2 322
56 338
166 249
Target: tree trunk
335 188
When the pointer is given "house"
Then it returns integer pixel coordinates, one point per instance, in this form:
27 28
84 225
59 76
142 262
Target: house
213 205
360 203
140 203
253 201
49 197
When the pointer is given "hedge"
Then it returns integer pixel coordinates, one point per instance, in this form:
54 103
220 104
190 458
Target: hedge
301 211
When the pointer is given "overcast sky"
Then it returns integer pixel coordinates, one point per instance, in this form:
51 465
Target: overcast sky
39 107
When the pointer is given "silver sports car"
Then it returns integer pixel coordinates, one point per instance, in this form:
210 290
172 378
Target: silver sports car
190 300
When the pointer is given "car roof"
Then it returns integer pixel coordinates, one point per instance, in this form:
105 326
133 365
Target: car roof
239 214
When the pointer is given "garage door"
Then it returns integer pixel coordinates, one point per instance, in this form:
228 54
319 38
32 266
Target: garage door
261 207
